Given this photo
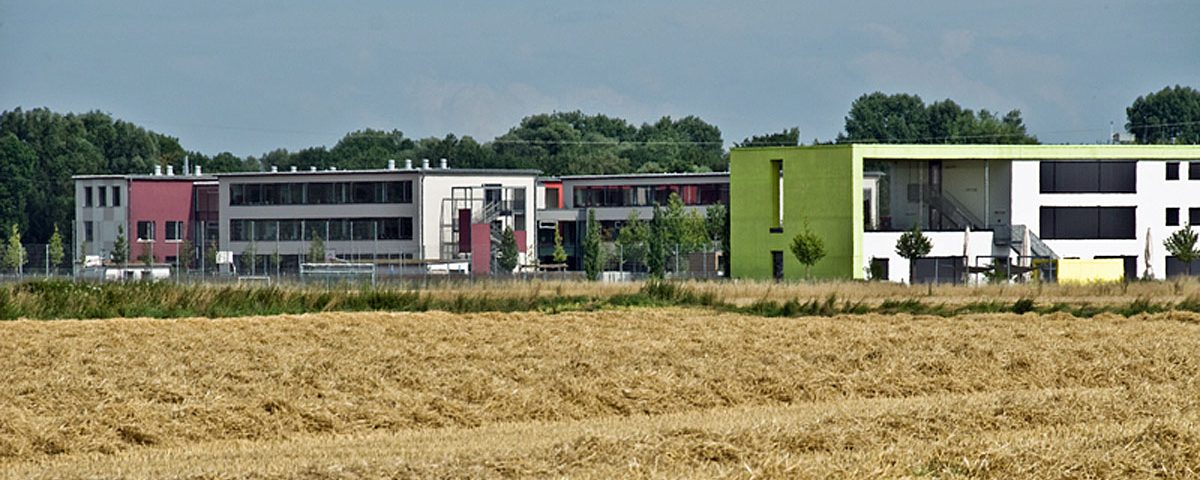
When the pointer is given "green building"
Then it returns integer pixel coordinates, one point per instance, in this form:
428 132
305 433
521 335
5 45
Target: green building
978 203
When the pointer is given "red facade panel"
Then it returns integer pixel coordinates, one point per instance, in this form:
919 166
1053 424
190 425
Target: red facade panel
481 249
158 202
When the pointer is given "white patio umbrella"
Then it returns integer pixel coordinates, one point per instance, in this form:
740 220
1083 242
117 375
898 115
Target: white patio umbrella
967 251
1147 255
1026 249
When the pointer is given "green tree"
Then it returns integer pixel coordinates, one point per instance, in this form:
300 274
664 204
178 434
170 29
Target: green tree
1182 245
507 257
560 255
786 138
656 251
903 118
316 249
632 239
147 256
210 256
55 249
249 259
120 253
913 245
808 249
716 218
14 253
593 256
183 255
1171 114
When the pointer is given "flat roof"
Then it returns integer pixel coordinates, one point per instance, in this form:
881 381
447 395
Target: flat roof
646 175
163 178
376 171
889 151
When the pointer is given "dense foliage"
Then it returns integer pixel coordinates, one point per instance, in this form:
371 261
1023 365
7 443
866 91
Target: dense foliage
903 118
1171 115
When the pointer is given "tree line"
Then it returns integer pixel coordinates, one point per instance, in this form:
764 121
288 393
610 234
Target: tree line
40 149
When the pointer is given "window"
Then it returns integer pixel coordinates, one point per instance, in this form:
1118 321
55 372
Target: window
145 230
1076 223
103 192
552 197
1172 170
1194 216
1088 177
777 195
174 231
406 228
89 234
1193 170
116 198
87 196
1172 217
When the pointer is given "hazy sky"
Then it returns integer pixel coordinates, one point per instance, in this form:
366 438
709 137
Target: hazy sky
249 76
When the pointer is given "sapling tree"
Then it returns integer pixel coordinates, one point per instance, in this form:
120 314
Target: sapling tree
593 256
560 255
913 245
1182 245
507 257
808 249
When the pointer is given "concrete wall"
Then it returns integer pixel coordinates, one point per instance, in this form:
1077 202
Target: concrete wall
105 219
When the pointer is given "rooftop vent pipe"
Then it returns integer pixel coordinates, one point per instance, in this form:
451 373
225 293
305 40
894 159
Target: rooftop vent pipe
157 170
408 164
424 164
170 170
391 164
445 165
198 171
274 169
312 168
292 169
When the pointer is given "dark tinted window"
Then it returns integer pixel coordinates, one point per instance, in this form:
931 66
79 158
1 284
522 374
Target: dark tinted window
1172 217
1193 170
1088 222
1088 177
1194 216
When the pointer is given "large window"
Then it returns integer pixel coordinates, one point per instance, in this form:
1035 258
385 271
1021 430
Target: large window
1076 223
89 233
320 193
145 230
1089 177
647 195
331 229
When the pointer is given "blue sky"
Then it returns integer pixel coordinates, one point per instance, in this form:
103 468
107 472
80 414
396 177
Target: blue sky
250 76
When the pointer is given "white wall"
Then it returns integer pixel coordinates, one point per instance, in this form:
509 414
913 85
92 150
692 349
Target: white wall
945 244
1154 195
435 187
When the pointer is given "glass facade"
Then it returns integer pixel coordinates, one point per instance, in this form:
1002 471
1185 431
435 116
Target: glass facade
649 195
319 193
332 229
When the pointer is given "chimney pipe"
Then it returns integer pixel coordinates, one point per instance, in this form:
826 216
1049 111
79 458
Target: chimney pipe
312 168
293 168
170 170
445 164
274 169
332 168
157 170
391 164
424 164
198 170
408 164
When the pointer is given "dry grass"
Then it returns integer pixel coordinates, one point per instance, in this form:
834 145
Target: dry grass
669 392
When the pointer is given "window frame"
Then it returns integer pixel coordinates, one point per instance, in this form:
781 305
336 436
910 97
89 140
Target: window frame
152 231
176 227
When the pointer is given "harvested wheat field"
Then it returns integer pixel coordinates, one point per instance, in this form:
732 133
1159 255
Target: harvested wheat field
611 393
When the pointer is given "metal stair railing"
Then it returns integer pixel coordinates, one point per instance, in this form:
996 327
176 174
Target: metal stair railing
1037 247
952 209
